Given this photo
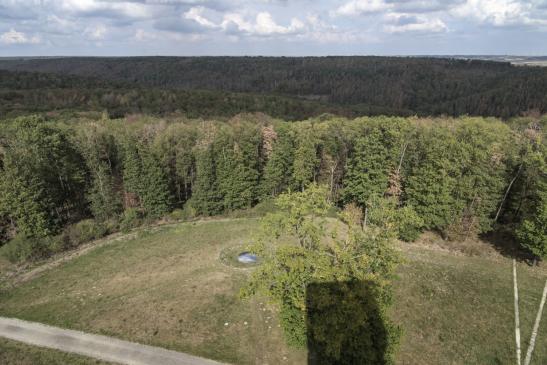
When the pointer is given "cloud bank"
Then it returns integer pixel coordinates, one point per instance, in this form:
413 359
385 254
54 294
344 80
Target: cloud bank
273 27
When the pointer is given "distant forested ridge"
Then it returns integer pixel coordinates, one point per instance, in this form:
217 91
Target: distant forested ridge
372 85
33 92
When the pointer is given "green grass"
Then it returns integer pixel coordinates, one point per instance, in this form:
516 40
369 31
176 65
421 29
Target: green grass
168 287
16 353
456 309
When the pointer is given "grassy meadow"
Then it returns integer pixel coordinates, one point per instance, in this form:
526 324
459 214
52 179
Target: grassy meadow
168 286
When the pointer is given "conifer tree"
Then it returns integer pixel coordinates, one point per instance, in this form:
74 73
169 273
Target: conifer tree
278 171
532 233
206 197
155 195
306 161
98 147
104 201
145 180
367 169
42 182
431 182
132 173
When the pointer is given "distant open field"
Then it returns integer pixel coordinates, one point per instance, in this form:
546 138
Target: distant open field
166 286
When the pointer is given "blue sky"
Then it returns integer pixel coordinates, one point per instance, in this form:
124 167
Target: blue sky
272 27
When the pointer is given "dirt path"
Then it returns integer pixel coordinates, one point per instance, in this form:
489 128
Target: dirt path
99 347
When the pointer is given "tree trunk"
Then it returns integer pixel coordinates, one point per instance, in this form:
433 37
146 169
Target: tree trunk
507 193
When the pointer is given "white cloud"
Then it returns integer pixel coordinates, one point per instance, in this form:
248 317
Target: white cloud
70 24
195 14
14 37
400 23
100 8
263 25
358 7
497 12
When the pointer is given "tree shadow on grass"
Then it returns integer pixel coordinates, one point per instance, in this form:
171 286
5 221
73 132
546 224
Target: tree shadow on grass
504 242
345 325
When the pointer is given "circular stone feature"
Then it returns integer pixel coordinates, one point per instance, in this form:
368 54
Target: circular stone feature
247 258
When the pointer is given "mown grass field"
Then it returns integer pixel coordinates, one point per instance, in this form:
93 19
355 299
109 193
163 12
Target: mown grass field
166 286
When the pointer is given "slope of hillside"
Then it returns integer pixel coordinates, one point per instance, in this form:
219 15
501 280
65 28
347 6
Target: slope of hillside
166 286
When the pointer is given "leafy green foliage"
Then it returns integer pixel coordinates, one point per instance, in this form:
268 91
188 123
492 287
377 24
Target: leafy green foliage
154 188
289 268
404 222
130 219
278 170
81 232
306 162
532 232
367 170
42 180
99 150
22 248
144 178
206 197
461 177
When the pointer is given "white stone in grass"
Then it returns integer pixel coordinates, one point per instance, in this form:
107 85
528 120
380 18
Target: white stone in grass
226 323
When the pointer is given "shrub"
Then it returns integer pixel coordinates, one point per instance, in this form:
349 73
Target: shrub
410 224
83 231
22 248
293 322
131 219
189 210
176 215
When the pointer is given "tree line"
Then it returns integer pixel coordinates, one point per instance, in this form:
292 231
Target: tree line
393 85
460 177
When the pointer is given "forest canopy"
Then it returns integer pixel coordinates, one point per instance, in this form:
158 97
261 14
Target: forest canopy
460 177
349 86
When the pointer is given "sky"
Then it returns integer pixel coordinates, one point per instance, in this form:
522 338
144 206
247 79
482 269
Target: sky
272 27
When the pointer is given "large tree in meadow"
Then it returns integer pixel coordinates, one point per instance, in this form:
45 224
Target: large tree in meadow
332 285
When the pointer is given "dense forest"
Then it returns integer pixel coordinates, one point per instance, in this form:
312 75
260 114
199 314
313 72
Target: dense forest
24 92
61 179
366 85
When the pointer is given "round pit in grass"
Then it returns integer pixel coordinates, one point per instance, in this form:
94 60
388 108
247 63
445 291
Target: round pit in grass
247 258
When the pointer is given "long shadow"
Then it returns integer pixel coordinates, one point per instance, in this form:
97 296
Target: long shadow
504 242
345 325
